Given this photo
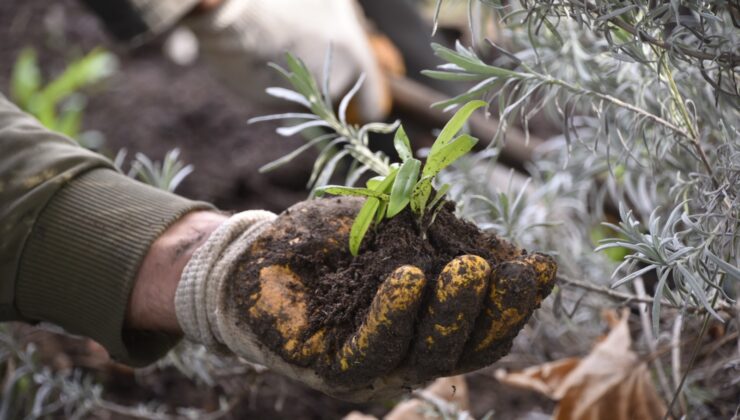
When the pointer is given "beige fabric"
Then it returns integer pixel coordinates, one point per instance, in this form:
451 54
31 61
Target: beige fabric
241 37
197 300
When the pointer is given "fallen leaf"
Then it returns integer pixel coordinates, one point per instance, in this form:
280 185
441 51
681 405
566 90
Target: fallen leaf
611 383
451 393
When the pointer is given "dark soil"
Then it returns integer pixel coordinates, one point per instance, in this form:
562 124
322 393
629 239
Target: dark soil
341 287
341 299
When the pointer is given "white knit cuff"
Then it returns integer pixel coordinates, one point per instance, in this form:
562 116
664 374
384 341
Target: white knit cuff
197 300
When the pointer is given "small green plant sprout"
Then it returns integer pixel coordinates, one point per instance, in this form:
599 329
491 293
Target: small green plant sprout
407 183
165 175
396 185
58 104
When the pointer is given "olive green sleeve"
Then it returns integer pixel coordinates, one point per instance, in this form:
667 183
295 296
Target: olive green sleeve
73 233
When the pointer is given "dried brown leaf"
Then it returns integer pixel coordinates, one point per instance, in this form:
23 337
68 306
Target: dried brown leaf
611 383
452 390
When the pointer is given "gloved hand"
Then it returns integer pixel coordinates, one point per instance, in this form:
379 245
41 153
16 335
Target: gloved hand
239 37
468 320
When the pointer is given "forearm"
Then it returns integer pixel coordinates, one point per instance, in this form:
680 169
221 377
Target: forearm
151 306
73 236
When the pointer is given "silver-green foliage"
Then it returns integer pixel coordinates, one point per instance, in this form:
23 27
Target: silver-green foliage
33 390
648 100
649 115
165 175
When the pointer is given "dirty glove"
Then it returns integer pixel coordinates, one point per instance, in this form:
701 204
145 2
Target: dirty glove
246 291
240 37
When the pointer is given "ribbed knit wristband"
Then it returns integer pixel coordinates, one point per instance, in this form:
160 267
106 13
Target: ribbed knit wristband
199 293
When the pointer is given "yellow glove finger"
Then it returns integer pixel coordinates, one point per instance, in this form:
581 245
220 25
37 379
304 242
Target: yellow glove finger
517 288
448 319
278 314
380 343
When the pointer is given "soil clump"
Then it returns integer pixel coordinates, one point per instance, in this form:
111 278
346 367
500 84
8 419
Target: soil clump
340 288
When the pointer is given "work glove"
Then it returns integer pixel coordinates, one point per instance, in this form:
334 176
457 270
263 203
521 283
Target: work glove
240 37
242 293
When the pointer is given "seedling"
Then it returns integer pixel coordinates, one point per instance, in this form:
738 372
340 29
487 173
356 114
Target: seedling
407 183
396 185
58 103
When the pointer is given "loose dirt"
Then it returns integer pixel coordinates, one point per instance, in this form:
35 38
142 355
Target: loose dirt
341 287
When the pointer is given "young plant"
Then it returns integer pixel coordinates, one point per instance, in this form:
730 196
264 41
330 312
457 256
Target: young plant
165 175
407 183
396 185
58 104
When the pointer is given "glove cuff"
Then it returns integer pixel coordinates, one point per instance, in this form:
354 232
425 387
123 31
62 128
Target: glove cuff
198 293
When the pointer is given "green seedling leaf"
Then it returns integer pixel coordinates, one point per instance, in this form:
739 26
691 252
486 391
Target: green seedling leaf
94 66
26 78
381 212
438 200
440 195
70 119
438 160
362 223
443 156
386 184
373 182
403 186
353 191
455 124
402 144
382 184
371 211
420 195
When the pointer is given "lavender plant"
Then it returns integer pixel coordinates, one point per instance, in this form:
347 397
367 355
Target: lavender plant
647 97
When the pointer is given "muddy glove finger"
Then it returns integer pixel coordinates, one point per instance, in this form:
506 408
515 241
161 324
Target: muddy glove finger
278 314
381 342
449 317
516 290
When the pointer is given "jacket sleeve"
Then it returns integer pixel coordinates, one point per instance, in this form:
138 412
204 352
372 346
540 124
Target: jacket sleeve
73 232
135 21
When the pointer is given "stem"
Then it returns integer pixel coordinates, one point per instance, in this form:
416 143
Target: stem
614 101
652 343
694 354
727 57
359 150
629 297
676 358
694 134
